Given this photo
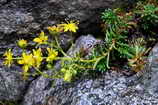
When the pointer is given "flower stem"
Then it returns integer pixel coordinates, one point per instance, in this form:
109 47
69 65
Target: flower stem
61 50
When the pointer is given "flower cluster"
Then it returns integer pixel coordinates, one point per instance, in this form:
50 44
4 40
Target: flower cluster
29 60
41 39
8 58
64 27
54 30
68 74
51 54
69 26
35 57
22 43
37 54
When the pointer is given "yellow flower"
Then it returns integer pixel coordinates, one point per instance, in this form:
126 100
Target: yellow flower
27 61
52 54
42 39
68 76
22 43
69 26
8 58
55 30
37 55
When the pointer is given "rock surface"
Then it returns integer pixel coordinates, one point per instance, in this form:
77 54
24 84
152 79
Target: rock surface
84 43
149 78
109 89
25 16
12 85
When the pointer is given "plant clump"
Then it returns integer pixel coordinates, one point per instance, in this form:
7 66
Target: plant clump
34 58
118 24
118 27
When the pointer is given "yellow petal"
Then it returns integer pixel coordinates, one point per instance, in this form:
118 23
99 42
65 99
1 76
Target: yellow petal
42 33
38 40
20 62
25 68
68 76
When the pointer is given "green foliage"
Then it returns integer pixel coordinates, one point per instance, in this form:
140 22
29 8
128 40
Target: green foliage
102 63
110 18
117 26
148 13
8 103
138 51
114 19
115 36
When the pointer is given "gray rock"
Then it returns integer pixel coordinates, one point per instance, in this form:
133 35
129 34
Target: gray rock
24 16
149 78
84 44
12 85
108 89
38 91
11 20
3 2
65 41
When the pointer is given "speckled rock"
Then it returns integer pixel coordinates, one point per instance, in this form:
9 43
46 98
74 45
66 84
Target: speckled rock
12 85
84 43
149 78
25 16
11 20
108 89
